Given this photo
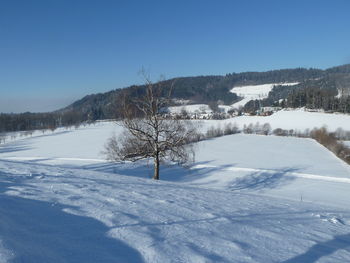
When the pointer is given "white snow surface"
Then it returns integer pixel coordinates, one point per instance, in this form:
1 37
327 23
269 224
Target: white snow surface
298 119
255 92
198 109
246 198
194 108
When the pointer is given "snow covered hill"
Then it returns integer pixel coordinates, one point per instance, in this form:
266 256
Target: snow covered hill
86 144
251 92
298 119
195 108
247 198
73 215
255 92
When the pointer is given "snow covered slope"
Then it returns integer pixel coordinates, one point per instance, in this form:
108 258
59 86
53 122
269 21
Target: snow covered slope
298 119
86 138
255 92
198 109
86 144
195 108
82 145
74 215
247 198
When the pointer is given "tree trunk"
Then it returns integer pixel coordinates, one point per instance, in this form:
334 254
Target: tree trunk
156 167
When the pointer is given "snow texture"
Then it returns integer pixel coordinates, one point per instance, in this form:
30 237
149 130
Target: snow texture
298 120
247 198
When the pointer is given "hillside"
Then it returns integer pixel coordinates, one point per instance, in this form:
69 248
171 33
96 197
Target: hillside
243 92
246 198
211 89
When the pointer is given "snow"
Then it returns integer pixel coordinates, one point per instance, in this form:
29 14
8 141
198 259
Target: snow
77 145
277 166
298 119
247 198
255 92
164 222
195 108
224 108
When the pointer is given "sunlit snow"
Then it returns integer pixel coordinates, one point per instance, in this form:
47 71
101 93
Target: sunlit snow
246 198
255 92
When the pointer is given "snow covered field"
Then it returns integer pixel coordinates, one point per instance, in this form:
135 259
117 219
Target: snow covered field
291 119
247 198
82 145
198 109
254 92
195 108
298 119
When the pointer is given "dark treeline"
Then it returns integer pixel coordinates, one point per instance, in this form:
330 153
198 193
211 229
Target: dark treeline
315 98
330 93
275 76
311 98
35 121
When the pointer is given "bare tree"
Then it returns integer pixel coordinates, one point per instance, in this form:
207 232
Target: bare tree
266 129
147 134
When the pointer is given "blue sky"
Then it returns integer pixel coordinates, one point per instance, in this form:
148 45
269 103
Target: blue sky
55 51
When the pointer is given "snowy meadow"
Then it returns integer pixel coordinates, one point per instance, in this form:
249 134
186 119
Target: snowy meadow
246 198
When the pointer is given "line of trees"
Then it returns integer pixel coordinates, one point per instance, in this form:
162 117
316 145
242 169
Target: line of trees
316 98
330 141
311 98
39 121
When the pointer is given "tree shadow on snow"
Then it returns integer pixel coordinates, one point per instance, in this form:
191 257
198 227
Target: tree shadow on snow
14 147
257 180
264 180
23 143
137 169
322 249
168 172
37 231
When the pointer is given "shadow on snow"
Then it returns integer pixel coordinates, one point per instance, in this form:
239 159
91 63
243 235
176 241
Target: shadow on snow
37 231
23 144
322 249
257 180
264 180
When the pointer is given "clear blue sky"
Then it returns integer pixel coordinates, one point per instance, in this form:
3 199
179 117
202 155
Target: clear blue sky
55 51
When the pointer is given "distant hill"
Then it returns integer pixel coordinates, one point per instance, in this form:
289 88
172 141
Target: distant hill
317 89
208 89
